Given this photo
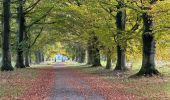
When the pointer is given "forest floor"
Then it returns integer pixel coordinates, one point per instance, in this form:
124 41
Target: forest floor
81 82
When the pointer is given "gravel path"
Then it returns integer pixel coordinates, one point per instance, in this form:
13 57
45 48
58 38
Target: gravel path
69 86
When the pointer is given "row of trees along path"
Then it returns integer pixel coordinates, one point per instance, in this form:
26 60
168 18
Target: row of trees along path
93 43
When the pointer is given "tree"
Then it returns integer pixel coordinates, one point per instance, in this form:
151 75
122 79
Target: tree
109 60
120 23
38 57
6 58
23 48
79 53
149 45
21 24
27 59
95 51
89 53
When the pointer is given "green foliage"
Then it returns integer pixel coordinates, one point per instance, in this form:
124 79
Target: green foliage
73 21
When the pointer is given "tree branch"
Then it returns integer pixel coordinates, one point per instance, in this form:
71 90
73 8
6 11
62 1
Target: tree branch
40 18
31 7
36 38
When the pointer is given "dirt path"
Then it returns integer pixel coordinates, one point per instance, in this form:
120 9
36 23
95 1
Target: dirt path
69 87
64 83
74 85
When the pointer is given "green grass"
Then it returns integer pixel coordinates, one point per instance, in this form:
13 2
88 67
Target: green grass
9 90
150 88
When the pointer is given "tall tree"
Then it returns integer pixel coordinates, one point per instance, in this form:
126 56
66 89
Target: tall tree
27 62
20 36
89 53
93 57
23 32
120 23
109 60
6 58
37 57
95 51
80 53
149 44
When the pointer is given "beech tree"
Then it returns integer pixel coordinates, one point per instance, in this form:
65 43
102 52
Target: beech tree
6 53
93 51
121 26
149 44
24 47
20 38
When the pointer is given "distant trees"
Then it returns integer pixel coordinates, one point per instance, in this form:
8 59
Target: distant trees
39 57
78 52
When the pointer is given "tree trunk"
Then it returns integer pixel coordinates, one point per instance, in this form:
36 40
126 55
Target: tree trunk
26 38
121 61
80 52
42 57
72 58
21 22
37 57
89 54
148 61
81 55
30 60
95 52
27 59
96 59
76 56
121 24
6 56
109 61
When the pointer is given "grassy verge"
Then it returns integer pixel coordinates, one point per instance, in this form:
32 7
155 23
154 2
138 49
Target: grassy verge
13 84
150 88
